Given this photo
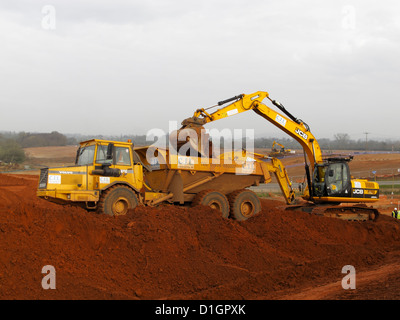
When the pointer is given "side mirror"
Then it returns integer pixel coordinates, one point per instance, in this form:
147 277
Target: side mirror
110 150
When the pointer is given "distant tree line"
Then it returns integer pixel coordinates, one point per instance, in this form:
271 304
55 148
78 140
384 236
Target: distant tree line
138 140
11 151
341 141
12 144
29 140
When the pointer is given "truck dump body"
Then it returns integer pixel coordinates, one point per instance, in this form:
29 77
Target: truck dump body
170 173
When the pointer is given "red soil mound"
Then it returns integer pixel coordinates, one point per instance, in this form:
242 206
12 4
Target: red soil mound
174 252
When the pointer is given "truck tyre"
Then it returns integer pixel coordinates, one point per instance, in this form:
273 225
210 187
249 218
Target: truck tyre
213 199
117 200
244 204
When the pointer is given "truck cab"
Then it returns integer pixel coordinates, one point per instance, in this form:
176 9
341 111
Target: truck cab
99 166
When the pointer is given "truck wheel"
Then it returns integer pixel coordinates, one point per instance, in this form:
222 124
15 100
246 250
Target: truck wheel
117 201
244 204
213 199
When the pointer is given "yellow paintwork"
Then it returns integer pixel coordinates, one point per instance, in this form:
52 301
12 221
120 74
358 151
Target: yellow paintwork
254 102
69 195
151 196
298 131
236 162
78 184
81 184
230 162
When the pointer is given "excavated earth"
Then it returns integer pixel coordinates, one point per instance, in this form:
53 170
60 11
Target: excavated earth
173 252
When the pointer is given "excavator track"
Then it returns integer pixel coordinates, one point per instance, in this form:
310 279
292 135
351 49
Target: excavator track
358 212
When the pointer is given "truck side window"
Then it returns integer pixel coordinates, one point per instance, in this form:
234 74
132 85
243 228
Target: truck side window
101 156
122 156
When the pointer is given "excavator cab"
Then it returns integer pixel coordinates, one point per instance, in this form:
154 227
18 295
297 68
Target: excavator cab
332 179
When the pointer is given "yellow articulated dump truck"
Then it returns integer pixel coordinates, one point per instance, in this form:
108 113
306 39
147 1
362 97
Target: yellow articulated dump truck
112 176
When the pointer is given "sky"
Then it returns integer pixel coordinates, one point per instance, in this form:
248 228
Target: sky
126 67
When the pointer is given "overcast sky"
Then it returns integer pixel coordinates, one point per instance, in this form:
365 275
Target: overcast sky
125 67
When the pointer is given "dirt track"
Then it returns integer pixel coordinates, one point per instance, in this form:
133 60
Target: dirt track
378 283
179 253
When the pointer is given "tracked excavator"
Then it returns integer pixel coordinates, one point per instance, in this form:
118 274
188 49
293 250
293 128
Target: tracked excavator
275 152
329 189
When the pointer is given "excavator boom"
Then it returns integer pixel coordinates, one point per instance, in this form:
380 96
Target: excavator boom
294 127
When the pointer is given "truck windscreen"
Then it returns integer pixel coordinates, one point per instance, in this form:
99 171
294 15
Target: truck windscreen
86 156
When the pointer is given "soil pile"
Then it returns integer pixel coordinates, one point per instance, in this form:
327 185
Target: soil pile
173 252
